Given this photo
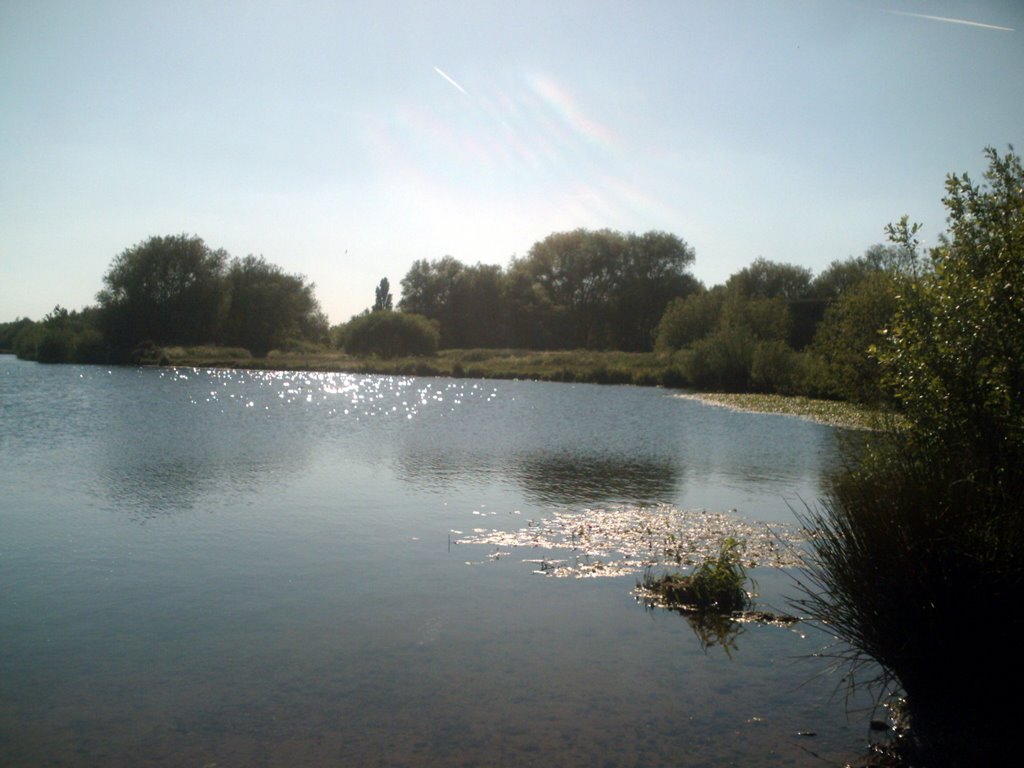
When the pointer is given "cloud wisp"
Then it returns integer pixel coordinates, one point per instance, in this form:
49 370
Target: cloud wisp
948 20
447 77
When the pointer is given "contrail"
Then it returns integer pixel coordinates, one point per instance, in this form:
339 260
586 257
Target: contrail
952 21
443 74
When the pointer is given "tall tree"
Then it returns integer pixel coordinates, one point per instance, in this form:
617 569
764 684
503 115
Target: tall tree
612 287
382 300
265 307
653 272
166 290
765 279
477 315
428 289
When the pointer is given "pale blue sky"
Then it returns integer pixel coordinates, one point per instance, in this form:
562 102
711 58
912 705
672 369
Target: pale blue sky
344 141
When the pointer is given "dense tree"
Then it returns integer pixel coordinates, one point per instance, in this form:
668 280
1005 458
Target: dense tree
842 276
166 290
789 283
848 337
765 279
266 307
574 289
751 332
653 273
477 313
428 288
382 299
762 319
612 287
574 271
9 332
533 320
62 336
690 319
177 290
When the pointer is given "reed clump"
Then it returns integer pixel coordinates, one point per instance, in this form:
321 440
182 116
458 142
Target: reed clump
916 560
917 566
718 585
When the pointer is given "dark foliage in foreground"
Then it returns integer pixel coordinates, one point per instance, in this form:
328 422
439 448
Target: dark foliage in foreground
918 555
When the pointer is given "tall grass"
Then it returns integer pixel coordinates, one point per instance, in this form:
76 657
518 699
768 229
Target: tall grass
718 585
916 565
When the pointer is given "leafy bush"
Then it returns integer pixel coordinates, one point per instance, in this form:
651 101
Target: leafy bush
850 333
918 550
774 367
688 320
722 361
55 346
390 334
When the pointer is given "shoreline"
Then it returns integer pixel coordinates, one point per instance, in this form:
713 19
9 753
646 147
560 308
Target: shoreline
829 413
645 369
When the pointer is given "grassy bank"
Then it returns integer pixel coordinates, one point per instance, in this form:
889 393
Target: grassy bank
641 368
833 413
638 368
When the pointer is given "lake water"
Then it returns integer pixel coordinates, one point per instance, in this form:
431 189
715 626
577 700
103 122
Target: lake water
242 569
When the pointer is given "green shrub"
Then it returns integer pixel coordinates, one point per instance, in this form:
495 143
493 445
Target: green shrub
774 367
55 346
689 320
851 331
26 341
917 553
390 334
90 347
722 361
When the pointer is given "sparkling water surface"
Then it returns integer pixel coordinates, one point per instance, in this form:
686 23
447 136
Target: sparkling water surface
208 567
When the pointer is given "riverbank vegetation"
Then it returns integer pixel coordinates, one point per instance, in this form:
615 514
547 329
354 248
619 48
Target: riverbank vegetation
917 558
586 305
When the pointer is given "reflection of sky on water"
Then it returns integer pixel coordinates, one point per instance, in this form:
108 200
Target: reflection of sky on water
302 606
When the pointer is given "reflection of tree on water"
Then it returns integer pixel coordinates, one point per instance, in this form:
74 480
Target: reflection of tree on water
441 467
153 457
152 484
713 628
548 478
588 478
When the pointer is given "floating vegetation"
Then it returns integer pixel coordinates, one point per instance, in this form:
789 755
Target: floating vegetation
713 598
833 413
719 584
628 539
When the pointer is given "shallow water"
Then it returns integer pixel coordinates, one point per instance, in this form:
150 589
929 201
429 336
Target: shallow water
239 568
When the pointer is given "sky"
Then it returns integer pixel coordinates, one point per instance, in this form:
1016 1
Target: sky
345 140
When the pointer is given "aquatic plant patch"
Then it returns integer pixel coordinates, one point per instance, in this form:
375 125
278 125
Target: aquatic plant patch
718 584
832 413
627 539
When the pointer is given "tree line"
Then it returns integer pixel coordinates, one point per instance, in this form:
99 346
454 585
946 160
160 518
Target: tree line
176 290
771 327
